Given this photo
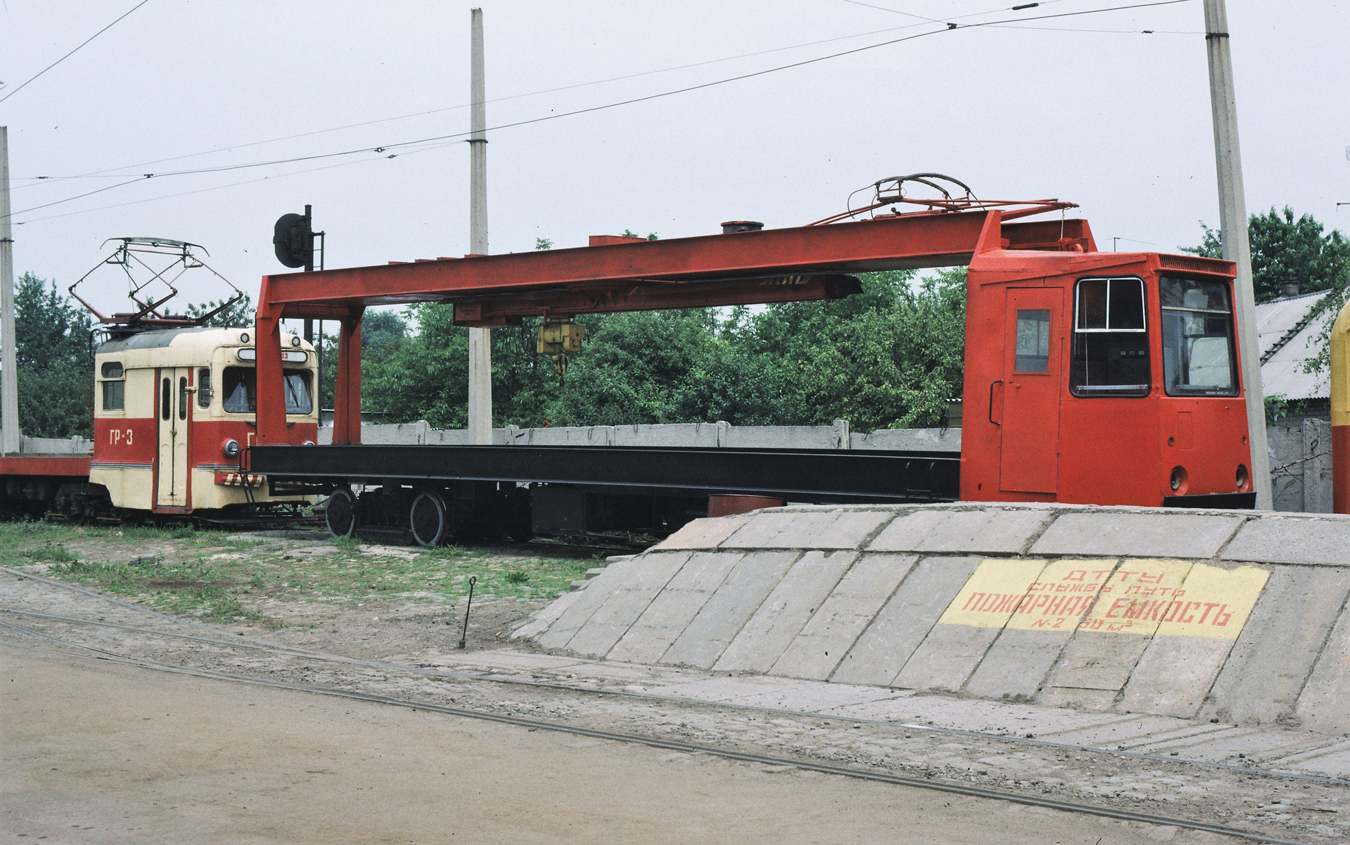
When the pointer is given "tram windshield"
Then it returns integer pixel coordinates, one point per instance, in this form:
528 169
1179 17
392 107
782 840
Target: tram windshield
1197 327
239 387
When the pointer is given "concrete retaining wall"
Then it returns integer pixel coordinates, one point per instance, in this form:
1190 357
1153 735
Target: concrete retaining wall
1221 614
704 435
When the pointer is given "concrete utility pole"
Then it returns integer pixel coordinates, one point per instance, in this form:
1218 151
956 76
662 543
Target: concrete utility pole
1233 226
9 354
480 340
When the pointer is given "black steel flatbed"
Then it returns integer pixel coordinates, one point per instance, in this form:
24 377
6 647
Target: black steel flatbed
810 475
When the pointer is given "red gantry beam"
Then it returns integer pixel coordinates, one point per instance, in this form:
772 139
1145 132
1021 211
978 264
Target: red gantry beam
773 265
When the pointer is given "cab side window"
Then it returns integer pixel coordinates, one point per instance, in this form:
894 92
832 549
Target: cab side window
1110 338
113 385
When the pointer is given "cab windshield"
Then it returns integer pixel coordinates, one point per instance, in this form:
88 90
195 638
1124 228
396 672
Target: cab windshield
239 389
1199 356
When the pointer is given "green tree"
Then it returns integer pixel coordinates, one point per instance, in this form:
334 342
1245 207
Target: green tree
237 315
1284 248
55 357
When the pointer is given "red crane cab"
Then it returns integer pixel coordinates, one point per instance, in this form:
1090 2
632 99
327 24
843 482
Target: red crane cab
1103 378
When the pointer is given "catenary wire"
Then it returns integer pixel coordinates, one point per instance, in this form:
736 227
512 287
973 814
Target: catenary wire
73 52
107 172
383 149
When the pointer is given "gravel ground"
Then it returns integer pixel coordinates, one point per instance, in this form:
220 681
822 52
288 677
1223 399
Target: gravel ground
408 632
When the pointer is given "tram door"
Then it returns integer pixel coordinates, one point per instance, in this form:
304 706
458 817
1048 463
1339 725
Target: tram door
1031 383
174 408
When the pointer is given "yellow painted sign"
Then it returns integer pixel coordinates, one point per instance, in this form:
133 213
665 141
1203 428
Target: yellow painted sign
1061 595
1142 597
1137 597
1214 602
992 593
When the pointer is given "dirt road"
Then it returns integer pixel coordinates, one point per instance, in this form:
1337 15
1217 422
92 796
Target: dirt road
95 752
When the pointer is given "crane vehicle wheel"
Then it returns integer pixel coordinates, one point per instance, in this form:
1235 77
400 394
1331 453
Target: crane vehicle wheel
427 519
340 513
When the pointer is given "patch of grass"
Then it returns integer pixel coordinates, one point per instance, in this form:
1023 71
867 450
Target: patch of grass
52 552
215 575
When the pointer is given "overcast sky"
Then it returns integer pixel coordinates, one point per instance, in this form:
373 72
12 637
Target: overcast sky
1086 108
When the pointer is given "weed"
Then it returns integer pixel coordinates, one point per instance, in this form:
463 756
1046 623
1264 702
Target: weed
515 576
50 551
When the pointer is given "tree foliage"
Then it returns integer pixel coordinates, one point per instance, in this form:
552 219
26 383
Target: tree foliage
888 357
1284 248
55 373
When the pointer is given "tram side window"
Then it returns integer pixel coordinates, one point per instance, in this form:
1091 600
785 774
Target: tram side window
239 388
1110 338
204 387
114 390
1199 356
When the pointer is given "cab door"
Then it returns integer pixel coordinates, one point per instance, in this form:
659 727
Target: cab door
1029 460
172 399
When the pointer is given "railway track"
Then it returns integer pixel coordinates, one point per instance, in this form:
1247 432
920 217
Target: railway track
191 648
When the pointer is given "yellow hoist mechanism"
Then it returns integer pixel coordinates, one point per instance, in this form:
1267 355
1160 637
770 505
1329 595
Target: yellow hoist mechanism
559 340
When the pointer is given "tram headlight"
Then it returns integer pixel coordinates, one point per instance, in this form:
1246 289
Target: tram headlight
295 340
1242 477
231 448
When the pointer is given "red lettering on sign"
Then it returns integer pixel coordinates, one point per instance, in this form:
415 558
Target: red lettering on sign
1221 618
973 600
1076 575
1118 604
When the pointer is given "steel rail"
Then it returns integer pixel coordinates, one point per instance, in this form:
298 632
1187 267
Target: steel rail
558 686
685 747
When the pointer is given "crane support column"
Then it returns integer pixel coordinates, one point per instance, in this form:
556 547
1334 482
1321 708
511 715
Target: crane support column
347 386
1340 412
1236 248
271 411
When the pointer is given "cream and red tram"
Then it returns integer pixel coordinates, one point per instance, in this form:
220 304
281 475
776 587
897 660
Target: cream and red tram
174 410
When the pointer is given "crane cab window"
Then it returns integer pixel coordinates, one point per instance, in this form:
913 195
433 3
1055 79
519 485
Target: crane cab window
114 386
1110 338
240 393
1198 351
1033 341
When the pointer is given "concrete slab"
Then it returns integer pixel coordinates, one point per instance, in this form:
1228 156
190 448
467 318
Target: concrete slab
638 582
703 533
1021 658
1016 665
808 529
728 609
901 625
549 614
1321 705
969 625
831 632
1271 661
674 607
815 698
597 591
786 610
986 531
1174 674
1137 534
1093 661
1323 540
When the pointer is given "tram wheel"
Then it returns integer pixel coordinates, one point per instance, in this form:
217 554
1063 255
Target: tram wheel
340 513
427 519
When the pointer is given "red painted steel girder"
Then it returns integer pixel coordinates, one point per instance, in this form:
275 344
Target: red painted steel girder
698 265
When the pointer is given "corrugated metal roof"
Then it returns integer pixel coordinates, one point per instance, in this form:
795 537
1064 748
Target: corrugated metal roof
1287 339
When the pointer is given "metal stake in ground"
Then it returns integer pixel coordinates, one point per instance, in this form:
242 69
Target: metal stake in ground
464 635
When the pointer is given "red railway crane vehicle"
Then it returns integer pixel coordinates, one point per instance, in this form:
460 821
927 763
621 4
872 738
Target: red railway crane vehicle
1090 377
